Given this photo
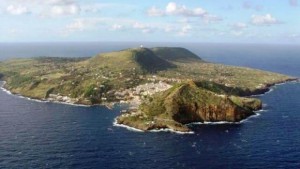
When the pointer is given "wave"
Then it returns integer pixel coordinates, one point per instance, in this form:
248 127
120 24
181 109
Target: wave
226 122
125 126
6 91
153 131
271 88
71 104
267 92
213 123
295 81
261 110
279 84
253 116
172 131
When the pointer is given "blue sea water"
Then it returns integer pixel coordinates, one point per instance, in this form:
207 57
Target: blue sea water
50 135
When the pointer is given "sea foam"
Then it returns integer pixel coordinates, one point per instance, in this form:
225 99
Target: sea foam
153 131
125 126
226 122
37 100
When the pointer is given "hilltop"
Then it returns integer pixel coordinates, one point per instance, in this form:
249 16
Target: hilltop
176 54
142 60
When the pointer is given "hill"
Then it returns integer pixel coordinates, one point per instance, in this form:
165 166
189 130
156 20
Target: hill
186 103
142 59
176 54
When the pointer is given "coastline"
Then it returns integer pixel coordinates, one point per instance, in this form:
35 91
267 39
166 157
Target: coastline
257 92
37 100
116 124
189 124
257 114
268 88
226 122
263 91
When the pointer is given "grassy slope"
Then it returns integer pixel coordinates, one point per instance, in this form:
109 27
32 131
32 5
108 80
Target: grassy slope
176 54
186 103
93 78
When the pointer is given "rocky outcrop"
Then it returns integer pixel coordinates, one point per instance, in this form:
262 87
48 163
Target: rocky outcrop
187 103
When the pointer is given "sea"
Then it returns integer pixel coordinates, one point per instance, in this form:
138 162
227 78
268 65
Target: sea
52 135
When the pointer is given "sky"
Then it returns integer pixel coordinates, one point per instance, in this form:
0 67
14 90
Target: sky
215 21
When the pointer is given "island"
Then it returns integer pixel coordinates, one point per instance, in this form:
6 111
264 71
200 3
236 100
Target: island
165 87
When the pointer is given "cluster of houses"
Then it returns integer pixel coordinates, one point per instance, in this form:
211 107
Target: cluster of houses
134 95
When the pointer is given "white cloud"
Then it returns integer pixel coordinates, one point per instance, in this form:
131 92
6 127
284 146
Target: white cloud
199 12
62 10
264 20
96 23
239 26
79 25
185 30
153 11
211 18
138 25
76 26
145 28
117 27
174 9
44 8
43 2
59 2
93 8
17 10
160 27
148 30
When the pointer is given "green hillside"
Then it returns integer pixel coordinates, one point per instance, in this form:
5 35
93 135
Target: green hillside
97 79
186 103
141 59
176 54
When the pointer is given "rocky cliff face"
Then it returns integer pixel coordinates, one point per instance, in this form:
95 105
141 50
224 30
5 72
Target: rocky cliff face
211 113
187 103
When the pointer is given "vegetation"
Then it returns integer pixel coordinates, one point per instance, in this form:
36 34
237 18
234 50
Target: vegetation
97 79
176 54
186 103
201 91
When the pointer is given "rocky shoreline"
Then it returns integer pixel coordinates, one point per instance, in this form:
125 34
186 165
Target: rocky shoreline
69 101
268 87
74 101
163 127
135 94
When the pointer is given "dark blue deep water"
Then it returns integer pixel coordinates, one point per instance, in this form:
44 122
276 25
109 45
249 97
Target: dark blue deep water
49 135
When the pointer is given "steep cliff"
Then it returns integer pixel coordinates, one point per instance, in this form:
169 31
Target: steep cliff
186 103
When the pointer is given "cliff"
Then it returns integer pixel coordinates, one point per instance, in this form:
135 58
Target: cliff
186 103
